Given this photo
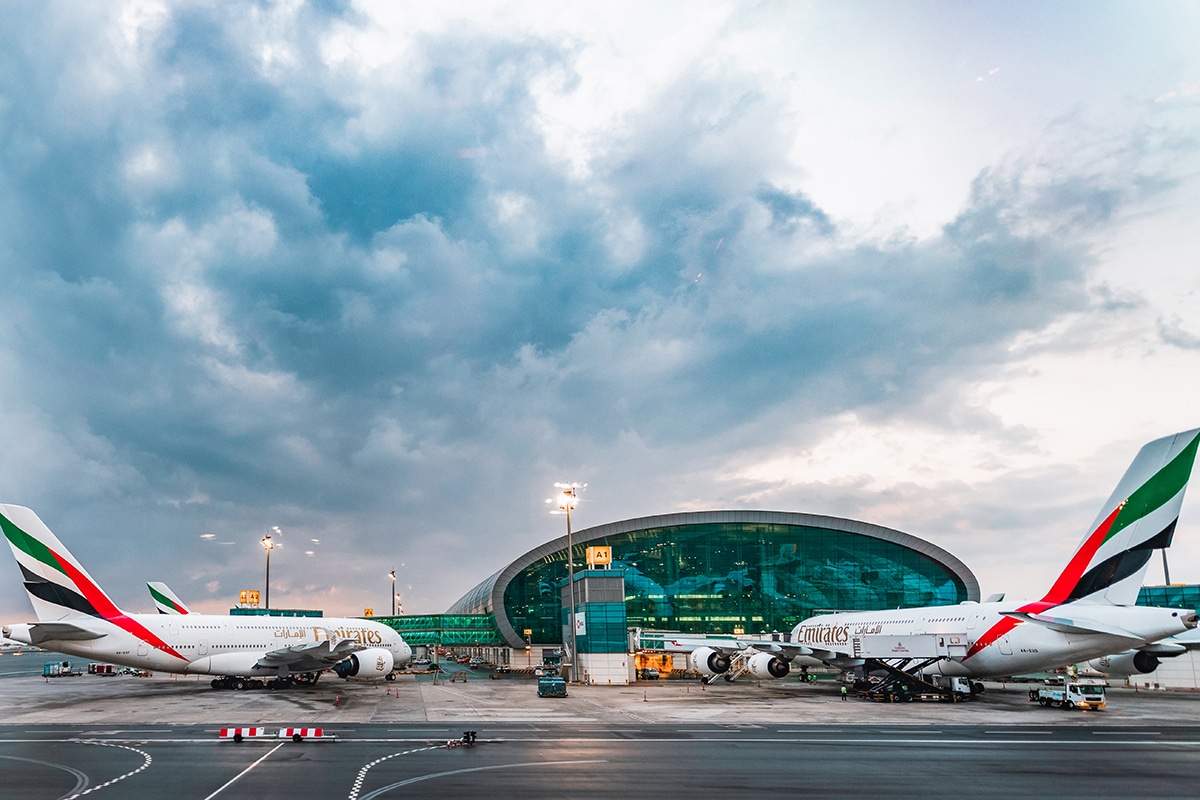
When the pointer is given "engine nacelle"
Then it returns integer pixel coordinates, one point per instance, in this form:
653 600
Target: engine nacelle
765 665
365 665
708 661
1130 662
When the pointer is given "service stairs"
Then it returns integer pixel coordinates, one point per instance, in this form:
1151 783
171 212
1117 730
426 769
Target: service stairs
903 681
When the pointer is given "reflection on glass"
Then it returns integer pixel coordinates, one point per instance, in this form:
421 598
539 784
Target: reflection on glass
740 578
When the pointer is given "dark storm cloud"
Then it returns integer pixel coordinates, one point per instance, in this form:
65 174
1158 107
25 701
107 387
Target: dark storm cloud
246 293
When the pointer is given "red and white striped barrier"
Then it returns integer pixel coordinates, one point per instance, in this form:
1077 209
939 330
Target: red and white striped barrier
300 734
238 734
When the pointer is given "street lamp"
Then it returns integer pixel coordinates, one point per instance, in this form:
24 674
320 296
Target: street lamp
393 574
268 545
568 498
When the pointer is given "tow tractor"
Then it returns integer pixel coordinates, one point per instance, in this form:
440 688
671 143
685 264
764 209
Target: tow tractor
1085 693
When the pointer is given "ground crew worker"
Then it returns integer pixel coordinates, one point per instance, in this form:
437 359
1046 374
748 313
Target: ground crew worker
843 691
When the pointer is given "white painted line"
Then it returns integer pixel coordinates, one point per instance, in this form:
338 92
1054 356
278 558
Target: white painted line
243 772
448 773
81 779
145 764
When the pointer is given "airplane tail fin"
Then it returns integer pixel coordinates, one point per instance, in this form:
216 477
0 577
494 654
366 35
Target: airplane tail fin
166 601
1139 518
58 586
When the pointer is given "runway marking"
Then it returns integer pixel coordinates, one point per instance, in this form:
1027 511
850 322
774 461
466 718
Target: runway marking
1119 733
362 773
81 780
448 773
243 772
145 764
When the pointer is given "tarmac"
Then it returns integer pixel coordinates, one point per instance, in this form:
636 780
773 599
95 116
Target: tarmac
477 697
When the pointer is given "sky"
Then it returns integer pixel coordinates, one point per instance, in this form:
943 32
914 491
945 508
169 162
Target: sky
380 273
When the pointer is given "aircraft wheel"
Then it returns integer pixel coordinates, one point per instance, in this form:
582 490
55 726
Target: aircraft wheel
391 676
239 684
216 684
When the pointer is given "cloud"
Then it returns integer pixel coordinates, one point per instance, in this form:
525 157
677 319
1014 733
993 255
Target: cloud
287 266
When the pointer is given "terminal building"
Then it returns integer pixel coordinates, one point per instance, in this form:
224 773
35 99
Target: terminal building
737 572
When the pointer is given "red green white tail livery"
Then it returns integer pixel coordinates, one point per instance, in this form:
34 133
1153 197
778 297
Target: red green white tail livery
166 601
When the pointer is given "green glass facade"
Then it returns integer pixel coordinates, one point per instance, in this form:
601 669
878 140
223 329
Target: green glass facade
447 630
1176 596
729 572
599 596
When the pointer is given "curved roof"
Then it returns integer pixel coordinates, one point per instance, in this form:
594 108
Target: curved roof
488 595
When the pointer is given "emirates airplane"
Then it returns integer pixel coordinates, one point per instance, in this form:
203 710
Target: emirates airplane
76 617
1087 613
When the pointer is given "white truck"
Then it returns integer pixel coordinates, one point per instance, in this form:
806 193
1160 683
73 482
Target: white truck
1085 693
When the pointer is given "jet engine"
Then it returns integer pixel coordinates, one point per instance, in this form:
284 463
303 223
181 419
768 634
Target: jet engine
765 665
708 661
1130 662
365 665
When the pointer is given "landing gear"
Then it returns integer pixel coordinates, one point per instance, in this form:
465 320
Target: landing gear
292 681
286 682
238 684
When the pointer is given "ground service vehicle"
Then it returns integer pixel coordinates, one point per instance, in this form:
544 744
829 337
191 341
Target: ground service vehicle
58 669
552 687
1086 694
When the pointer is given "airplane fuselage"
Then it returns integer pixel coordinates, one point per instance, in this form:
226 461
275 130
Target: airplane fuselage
211 644
996 644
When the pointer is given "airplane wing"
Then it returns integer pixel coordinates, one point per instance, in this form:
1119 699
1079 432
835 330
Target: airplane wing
311 657
40 632
785 650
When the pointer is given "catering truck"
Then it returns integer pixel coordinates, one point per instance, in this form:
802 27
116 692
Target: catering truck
1082 693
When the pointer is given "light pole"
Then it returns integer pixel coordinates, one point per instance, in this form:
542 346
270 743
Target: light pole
268 545
568 498
393 574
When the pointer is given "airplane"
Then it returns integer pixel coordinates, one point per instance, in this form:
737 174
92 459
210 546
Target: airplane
1141 661
166 601
1087 613
76 617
